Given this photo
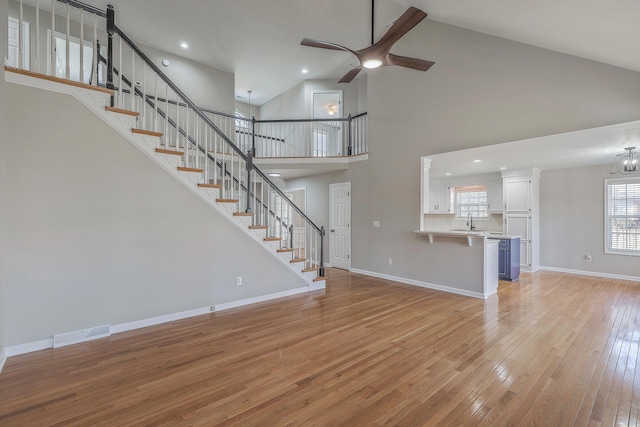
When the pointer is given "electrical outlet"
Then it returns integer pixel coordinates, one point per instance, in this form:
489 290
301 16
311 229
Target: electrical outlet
587 258
390 261
239 281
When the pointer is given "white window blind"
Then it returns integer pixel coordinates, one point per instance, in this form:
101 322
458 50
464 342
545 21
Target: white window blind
471 199
623 216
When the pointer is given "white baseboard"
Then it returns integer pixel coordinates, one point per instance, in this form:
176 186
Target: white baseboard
16 350
592 273
3 358
422 284
262 298
19 349
152 321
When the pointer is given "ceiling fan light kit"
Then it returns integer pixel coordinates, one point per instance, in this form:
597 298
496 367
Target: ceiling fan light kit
378 55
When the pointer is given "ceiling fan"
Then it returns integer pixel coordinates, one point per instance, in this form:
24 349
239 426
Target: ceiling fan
378 54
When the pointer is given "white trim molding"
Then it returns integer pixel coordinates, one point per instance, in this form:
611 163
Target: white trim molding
592 273
422 284
3 358
152 321
261 298
17 350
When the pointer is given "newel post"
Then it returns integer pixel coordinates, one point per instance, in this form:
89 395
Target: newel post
253 135
321 269
249 169
349 140
111 29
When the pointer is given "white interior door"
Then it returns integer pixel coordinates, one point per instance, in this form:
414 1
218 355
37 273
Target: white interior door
340 225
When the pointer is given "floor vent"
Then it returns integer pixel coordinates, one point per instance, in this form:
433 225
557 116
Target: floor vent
80 336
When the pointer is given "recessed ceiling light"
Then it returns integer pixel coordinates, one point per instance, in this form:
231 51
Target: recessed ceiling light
184 45
448 174
305 71
502 168
477 161
274 174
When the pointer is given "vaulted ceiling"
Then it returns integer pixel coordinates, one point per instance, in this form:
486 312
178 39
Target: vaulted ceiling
259 41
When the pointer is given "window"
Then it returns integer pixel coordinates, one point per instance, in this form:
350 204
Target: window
471 199
242 122
319 143
622 216
13 54
74 58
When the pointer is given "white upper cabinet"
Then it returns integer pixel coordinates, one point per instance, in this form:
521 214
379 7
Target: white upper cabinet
517 195
494 196
440 198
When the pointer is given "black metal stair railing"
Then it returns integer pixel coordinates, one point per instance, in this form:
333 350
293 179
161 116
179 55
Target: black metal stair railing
163 108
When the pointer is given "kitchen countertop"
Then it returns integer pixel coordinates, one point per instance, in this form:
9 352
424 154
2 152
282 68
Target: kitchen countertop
502 236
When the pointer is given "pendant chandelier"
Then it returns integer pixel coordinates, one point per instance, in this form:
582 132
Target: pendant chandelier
627 162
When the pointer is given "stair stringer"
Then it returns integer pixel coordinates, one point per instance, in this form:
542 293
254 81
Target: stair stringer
96 102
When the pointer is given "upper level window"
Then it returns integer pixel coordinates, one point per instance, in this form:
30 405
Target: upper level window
622 216
471 199
241 120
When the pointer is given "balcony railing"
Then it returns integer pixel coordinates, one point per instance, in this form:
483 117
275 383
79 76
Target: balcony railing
339 137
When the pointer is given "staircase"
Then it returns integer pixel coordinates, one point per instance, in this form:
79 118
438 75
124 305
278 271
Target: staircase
172 160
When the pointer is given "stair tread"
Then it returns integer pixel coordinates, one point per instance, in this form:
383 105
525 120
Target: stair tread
210 185
243 214
297 260
306 270
146 132
274 239
319 278
185 169
58 80
285 250
258 227
227 200
122 111
173 152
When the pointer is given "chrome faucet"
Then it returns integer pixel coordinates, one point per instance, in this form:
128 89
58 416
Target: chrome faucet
470 221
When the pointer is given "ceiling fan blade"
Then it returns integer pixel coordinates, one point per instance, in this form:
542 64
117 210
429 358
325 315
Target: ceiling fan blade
409 19
405 61
323 45
350 75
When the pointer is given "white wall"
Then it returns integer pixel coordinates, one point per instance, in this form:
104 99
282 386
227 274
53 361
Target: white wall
98 234
290 104
206 86
3 172
572 222
297 102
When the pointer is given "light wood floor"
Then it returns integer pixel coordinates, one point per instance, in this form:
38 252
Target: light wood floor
552 350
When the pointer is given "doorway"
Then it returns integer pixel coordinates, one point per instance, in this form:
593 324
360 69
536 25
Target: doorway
340 225
327 134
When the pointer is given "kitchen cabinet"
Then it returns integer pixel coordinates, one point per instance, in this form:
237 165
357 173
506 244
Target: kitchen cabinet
522 214
494 196
517 195
440 199
509 258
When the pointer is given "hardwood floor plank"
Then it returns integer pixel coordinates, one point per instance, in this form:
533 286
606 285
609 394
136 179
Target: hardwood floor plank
553 349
